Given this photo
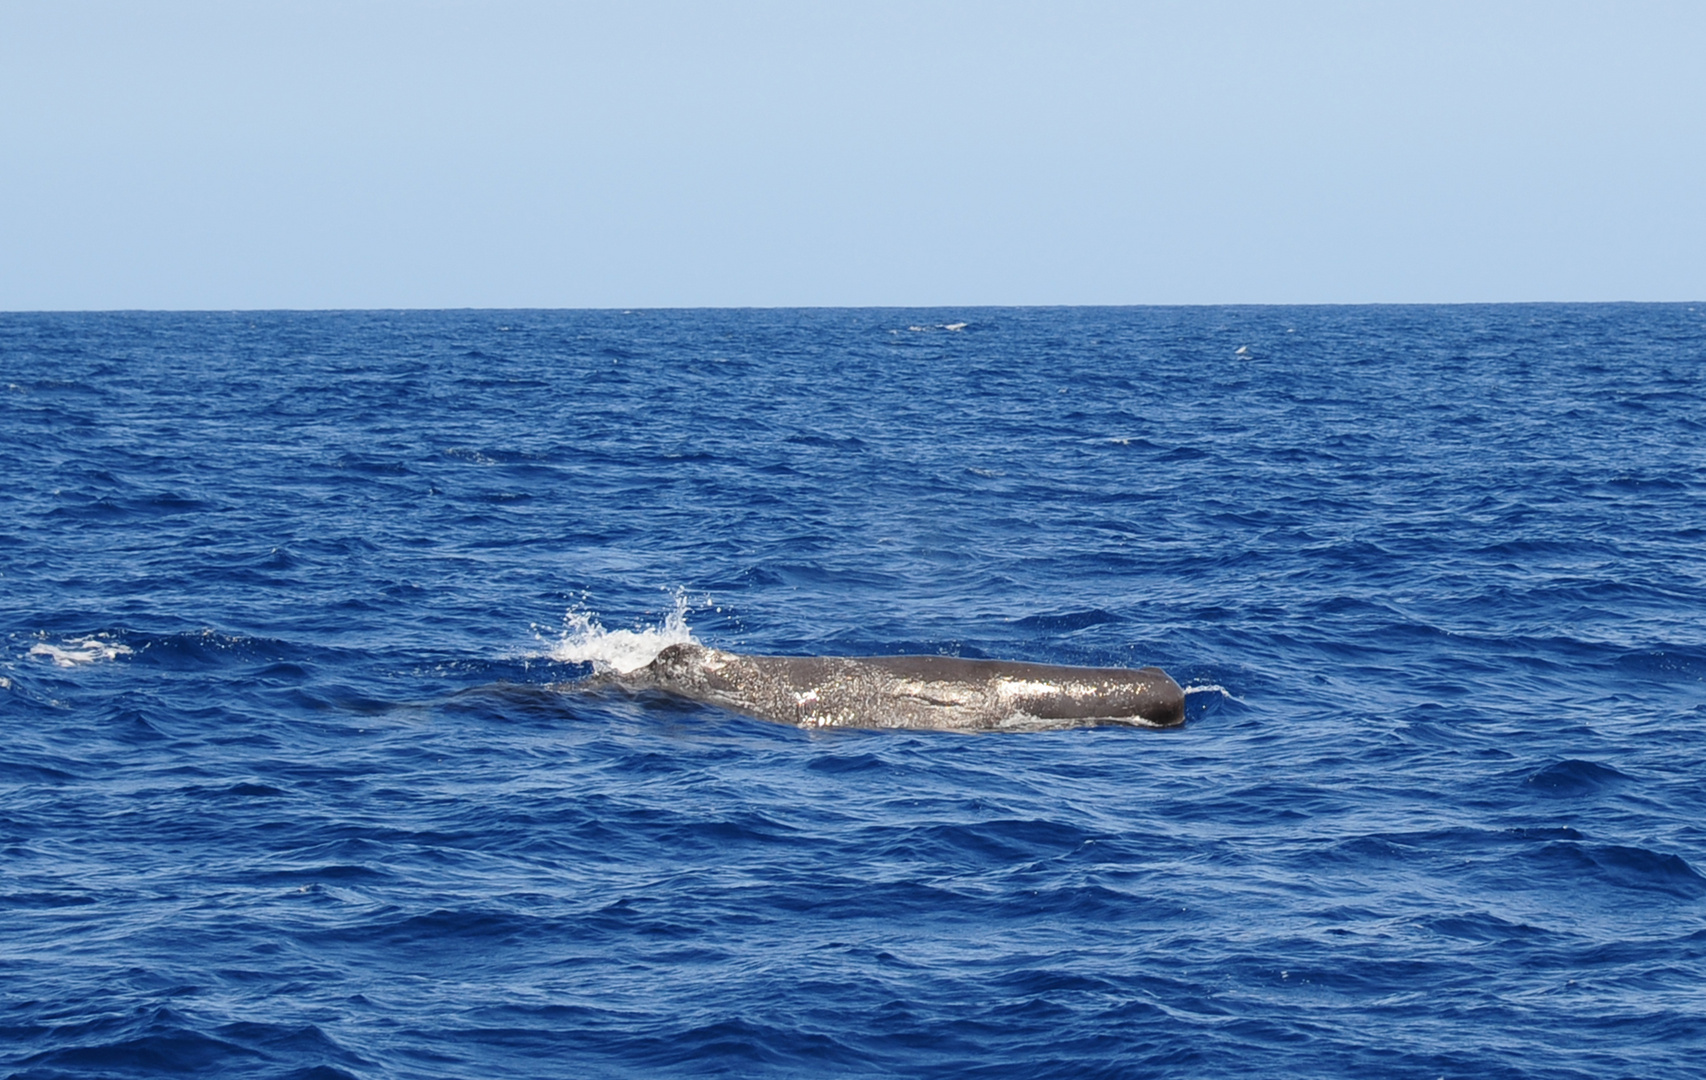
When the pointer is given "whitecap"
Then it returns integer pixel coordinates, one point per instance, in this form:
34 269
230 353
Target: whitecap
83 650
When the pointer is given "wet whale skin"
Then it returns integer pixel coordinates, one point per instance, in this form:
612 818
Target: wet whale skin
929 692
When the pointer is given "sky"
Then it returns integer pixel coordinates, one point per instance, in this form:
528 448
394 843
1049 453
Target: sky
366 154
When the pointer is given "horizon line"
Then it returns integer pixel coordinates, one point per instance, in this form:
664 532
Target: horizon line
632 308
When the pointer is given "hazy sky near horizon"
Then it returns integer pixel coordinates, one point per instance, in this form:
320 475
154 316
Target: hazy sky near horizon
387 154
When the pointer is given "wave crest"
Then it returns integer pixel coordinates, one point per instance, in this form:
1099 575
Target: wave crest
81 650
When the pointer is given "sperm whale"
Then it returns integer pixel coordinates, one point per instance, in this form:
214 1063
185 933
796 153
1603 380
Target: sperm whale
941 693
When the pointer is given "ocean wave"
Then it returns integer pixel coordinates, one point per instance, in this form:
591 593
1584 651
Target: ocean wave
292 785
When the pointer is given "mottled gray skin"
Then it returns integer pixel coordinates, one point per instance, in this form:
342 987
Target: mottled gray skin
940 693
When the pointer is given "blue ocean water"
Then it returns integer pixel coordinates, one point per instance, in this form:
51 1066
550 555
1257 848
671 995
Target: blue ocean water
292 784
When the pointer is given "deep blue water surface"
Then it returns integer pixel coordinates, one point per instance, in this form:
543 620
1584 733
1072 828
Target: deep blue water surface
287 788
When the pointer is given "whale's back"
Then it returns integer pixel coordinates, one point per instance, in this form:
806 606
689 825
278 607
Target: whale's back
932 692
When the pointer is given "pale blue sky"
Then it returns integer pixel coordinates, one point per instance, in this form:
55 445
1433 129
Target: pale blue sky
368 154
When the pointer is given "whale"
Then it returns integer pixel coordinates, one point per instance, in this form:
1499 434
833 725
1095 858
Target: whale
936 693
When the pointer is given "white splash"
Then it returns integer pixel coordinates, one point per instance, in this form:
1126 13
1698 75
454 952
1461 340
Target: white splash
1215 688
585 641
83 650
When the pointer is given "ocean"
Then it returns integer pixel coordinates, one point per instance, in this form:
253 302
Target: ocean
298 780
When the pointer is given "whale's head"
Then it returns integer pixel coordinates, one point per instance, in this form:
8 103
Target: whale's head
678 660
687 666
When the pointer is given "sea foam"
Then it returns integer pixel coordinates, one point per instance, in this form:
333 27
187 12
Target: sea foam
83 650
